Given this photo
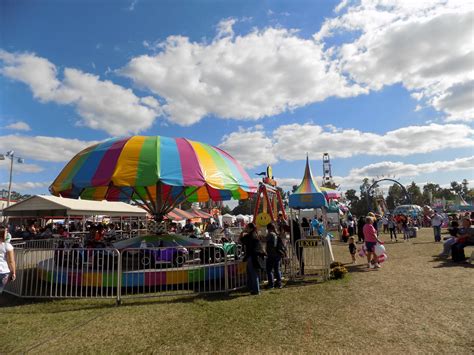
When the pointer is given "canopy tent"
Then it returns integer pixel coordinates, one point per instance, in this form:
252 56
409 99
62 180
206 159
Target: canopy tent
41 206
308 194
199 214
331 194
179 215
156 172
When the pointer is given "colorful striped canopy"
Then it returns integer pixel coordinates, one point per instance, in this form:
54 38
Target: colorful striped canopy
308 194
331 194
157 172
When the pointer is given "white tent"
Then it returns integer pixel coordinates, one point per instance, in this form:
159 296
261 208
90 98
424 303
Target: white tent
227 218
41 206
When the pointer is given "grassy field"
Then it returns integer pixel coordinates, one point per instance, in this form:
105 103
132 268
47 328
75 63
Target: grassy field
415 304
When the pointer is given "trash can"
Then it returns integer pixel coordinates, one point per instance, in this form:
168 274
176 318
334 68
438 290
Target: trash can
412 232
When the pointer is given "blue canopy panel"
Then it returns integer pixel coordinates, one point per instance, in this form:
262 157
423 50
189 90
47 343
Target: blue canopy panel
311 200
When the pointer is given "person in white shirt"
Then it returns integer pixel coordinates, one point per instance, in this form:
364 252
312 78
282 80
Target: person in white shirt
436 223
7 260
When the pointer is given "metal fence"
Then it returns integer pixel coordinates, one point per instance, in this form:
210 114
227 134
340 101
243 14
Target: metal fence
311 258
64 270
128 273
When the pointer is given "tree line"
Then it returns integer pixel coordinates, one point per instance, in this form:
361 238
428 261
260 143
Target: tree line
359 203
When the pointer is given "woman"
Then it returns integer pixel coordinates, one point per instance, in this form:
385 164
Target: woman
7 260
371 239
253 256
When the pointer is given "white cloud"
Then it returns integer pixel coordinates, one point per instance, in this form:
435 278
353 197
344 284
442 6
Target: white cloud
52 149
401 169
262 73
250 147
18 168
25 187
291 142
102 105
254 147
132 5
425 45
404 172
225 27
19 126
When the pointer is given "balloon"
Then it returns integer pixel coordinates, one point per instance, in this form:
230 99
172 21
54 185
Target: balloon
362 252
382 258
379 249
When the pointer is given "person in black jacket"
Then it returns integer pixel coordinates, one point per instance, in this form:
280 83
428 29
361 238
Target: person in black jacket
298 249
275 250
253 256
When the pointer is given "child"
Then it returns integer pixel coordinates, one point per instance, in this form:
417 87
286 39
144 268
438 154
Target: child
352 249
345 234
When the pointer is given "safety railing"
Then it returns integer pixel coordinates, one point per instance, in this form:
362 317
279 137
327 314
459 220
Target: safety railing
74 272
128 273
311 258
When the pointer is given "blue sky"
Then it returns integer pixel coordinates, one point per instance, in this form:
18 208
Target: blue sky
385 89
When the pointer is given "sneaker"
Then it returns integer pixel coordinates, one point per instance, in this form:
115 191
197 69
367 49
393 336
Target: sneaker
371 266
377 266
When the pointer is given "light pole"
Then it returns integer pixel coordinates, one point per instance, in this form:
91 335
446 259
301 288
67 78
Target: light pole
11 155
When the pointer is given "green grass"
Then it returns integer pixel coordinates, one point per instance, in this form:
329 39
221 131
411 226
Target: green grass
414 304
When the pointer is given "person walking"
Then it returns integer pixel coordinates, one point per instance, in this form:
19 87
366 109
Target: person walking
436 223
371 239
275 250
253 256
7 260
392 225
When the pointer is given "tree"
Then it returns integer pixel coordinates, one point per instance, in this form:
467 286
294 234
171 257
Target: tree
415 193
352 197
244 207
430 191
395 196
456 188
465 189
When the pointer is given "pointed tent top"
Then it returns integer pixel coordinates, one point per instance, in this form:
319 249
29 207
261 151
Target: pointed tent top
308 185
308 194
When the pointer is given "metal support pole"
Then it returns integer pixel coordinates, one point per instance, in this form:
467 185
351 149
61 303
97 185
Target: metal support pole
10 183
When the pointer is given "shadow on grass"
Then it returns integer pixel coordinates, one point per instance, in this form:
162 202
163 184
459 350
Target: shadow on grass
443 263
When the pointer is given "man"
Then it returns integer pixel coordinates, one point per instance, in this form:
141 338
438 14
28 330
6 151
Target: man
188 227
275 251
436 223
282 225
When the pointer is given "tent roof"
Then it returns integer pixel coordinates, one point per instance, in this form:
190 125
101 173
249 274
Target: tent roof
199 213
308 194
42 205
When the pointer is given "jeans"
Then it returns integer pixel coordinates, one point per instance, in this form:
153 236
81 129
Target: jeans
437 233
253 281
273 270
4 277
393 233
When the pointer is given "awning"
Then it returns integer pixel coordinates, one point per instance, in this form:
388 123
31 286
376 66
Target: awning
199 213
53 206
178 215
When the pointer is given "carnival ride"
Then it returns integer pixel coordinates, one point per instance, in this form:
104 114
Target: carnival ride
156 173
271 200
